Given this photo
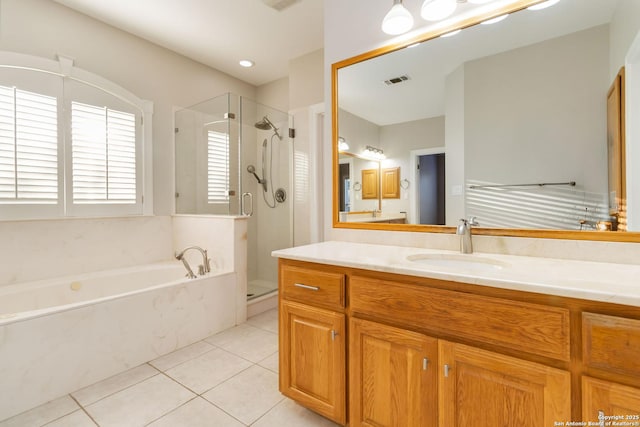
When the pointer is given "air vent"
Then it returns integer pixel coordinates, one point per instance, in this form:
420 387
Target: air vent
396 80
279 5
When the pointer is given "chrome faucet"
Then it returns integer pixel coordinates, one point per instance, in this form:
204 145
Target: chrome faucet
203 268
464 231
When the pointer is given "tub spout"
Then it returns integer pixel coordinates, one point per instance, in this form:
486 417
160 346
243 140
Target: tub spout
204 268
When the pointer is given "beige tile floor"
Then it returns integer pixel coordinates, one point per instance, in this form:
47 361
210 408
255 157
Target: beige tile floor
227 380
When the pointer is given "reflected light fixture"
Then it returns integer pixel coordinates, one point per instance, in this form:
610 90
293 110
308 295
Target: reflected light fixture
435 10
342 144
373 153
398 20
246 63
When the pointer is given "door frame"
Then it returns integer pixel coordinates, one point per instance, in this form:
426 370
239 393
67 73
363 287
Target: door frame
414 210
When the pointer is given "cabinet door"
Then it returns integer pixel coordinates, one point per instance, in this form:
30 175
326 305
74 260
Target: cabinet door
484 389
392 376
312 358
609 399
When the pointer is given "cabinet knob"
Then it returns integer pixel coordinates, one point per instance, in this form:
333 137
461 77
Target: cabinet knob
334 334
447 368
425 363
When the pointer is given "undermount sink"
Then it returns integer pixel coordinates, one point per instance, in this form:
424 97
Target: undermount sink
462 262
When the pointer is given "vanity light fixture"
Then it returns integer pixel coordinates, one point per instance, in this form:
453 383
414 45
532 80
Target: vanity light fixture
398 20
435 10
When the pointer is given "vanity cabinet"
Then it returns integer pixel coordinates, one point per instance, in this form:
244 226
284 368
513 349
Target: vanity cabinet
392 376
486 389
312 340
610 346
429 352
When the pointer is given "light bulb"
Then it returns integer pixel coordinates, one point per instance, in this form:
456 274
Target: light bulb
398 20
495 20
435 10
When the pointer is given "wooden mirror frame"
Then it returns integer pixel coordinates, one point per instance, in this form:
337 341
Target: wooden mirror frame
610 236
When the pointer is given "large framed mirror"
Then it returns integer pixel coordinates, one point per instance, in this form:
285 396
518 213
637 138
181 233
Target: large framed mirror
519 123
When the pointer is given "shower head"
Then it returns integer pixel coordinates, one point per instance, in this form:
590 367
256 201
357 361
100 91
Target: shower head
265 124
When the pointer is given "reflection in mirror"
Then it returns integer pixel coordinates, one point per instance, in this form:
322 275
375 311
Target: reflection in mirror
506 122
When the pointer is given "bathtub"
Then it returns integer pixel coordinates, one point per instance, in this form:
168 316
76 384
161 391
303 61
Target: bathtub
59 335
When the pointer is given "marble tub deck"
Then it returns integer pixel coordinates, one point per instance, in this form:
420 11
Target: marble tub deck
228 379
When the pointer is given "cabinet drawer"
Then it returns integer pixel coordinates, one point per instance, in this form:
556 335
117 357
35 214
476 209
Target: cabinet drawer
532 328
611 343
313 286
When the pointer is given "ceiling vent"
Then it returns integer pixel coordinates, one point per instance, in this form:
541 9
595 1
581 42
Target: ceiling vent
279 5
396 80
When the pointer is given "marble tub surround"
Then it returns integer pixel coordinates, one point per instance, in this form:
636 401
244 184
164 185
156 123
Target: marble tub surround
50 354
39 249
596 281
208 383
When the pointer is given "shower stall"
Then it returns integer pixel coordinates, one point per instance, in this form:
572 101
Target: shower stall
234 156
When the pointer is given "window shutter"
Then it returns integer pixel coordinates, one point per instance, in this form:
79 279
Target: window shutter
217 167
28 147
103 146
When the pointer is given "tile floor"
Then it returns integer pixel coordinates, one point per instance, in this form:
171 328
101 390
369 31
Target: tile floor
227 380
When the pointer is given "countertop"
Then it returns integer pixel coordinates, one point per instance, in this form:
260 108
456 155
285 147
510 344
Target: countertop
596 281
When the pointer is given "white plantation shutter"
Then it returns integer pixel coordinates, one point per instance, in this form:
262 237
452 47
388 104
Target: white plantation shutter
103 145
28 147
217 167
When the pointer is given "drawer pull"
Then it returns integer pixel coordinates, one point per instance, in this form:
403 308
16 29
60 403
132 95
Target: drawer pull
446 370
302 285
425 364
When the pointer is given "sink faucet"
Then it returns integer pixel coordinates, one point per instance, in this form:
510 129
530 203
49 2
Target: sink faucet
203 268
464 231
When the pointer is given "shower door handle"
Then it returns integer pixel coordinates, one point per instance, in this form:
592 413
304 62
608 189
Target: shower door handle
244 205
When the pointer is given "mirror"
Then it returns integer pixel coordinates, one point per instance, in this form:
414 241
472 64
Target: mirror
506 122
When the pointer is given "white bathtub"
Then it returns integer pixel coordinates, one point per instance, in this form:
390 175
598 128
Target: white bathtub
59 335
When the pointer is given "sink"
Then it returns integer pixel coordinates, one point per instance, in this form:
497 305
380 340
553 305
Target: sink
458 262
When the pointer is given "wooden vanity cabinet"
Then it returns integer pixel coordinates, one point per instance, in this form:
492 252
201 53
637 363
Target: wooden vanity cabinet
427 352
610 346
392 376
312 339
487 389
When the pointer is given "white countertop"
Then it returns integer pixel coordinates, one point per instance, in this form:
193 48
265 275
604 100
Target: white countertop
597 281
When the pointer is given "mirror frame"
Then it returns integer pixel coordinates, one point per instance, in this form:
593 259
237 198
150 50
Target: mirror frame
610 236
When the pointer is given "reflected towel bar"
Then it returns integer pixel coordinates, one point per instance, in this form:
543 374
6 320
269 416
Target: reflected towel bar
541 184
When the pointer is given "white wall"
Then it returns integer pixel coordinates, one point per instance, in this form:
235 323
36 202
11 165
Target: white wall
624 27
305 80
45 28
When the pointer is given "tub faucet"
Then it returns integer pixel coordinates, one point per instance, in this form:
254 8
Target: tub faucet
203 268
464 231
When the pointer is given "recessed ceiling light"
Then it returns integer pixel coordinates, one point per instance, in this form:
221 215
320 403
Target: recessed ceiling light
543 5
494 20
246 63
